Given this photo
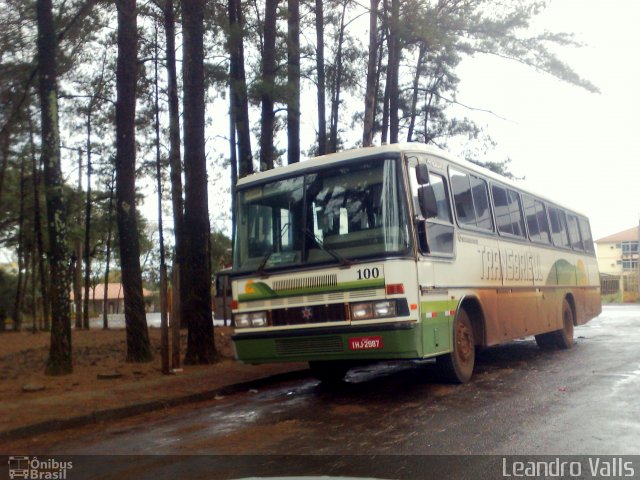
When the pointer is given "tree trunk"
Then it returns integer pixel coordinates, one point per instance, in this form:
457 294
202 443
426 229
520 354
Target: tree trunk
393 71
322 88
60 361
164 325
384 133
416 84
370 94
238 85
293 81
335 101
37 221
268 84
105 312
138 347
87 229
17 304
4 150
200 346
34 303
234 167
175 160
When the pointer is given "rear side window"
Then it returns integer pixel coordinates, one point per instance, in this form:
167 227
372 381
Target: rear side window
536 217
574 232
558 222
508 211
471 199
585 230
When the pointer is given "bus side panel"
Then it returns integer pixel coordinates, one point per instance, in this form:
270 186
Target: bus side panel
592 299
437 325
475 273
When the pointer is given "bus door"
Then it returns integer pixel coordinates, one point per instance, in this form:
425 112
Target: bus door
436 245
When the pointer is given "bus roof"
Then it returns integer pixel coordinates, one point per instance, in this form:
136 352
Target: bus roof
324 160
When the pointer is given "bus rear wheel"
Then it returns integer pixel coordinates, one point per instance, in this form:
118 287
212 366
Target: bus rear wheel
457 366
561 338
329 372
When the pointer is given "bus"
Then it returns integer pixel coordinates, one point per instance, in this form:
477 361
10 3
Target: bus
402 252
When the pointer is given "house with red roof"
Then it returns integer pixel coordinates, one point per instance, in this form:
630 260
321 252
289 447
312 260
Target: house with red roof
115 298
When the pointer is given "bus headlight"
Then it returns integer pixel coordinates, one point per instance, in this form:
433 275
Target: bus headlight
258 319
368 310
361 311
384 309
253 319
242 320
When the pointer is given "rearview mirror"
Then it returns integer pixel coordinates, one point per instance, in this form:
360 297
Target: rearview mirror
428 203
422 174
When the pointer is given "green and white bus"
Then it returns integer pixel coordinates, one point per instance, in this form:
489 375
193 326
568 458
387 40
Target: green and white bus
402 252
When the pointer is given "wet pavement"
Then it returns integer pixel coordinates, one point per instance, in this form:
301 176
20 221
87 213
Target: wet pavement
520 401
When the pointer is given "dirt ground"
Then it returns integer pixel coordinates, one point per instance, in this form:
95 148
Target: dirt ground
23 357
98 352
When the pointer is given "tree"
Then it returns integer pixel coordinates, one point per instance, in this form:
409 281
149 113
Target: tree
60 356
393 70
293 81
370 93
138 346
321 77
200 346
175 160
238 84
268 85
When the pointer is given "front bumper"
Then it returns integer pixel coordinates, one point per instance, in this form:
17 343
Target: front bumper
397 340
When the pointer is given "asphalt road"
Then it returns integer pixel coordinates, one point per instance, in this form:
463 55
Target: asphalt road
521 401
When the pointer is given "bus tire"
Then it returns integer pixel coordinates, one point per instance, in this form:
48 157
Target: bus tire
329 372
457 366
561 338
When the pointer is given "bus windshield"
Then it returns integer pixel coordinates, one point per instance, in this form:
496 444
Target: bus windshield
333 214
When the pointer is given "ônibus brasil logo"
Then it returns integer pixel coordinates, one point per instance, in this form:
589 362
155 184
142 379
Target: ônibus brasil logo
32 468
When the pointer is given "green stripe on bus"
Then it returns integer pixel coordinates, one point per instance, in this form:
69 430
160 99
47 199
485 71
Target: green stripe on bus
261 291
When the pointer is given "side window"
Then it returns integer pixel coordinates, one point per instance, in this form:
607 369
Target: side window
462 197
558 221
442 197
471 199
585 230
574 232
481 203
536 216
508 211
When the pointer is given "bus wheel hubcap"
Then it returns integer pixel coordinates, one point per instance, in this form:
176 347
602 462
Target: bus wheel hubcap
463 343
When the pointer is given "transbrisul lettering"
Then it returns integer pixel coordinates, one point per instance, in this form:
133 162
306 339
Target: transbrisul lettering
510 265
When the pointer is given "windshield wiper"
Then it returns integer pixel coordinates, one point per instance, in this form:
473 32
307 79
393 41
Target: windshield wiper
345 262
263 263
260 270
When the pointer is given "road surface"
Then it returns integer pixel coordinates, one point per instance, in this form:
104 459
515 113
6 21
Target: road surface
521 401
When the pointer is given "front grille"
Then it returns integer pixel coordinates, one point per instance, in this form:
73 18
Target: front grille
335 312
309 345
306 283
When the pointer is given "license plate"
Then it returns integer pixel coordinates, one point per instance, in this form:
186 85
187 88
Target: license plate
365 343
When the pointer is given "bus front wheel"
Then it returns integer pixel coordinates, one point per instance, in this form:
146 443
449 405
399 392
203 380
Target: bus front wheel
328 371
561 338
457 366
